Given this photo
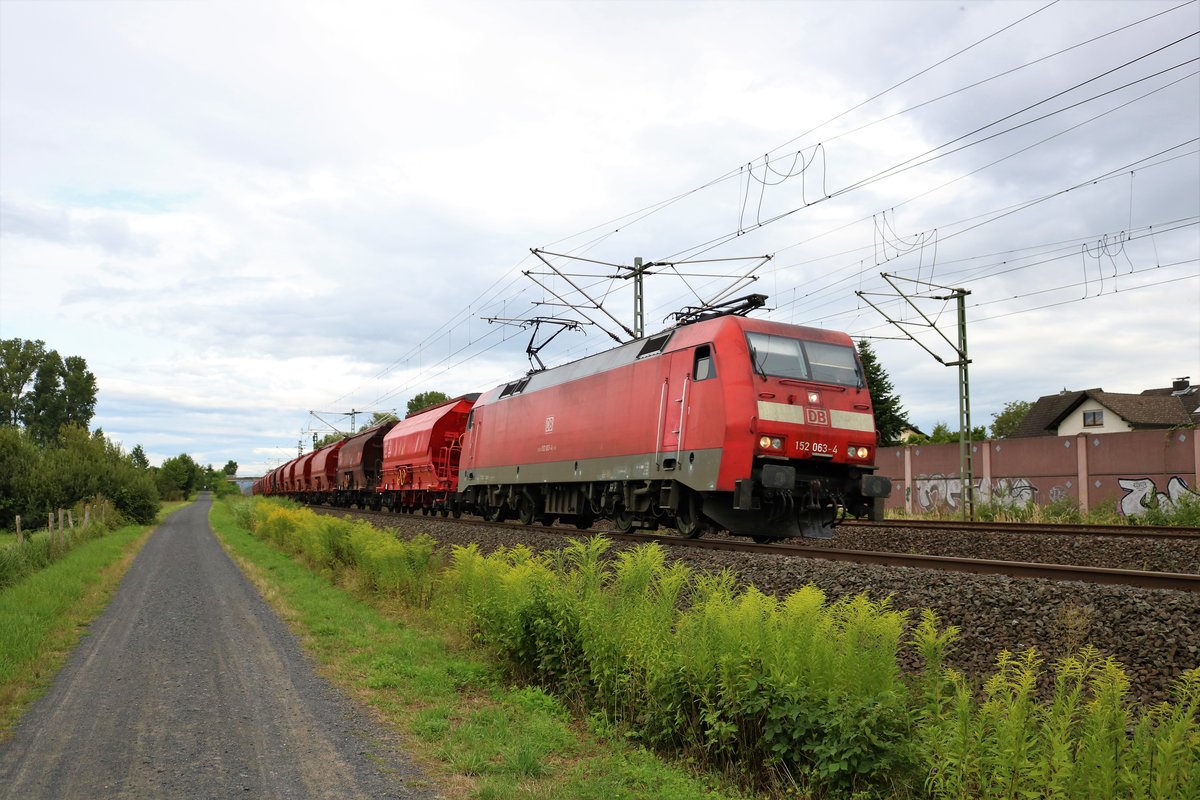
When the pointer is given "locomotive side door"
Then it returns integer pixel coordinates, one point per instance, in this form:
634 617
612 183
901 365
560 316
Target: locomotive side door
673 407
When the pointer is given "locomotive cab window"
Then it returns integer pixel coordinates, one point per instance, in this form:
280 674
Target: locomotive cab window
702 365
471 419
785 357
831 363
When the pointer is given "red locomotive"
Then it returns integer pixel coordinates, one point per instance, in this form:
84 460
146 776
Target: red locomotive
756 427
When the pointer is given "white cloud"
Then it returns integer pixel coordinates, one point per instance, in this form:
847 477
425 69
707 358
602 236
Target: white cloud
240 212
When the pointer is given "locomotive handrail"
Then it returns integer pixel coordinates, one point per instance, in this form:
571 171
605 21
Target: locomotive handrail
662 415
683 401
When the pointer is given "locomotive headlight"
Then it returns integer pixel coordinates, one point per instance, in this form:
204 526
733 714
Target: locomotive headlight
770 443
859 452
765 443
813 398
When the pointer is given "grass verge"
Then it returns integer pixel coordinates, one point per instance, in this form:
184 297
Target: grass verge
43 616
475 736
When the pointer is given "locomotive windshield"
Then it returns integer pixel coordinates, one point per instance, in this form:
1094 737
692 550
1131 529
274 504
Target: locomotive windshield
785 357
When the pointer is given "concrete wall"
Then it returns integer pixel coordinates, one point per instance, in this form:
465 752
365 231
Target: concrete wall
1124 470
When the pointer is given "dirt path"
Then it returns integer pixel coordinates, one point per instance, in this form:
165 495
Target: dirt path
189 686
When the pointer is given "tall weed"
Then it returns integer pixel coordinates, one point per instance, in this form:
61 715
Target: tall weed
800 692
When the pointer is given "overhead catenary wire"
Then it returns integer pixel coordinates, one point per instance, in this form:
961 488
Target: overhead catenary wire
507 289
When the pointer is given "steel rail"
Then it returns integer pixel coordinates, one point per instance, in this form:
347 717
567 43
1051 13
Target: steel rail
1175 581
1060 529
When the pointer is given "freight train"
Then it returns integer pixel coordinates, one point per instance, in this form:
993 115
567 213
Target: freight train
754 427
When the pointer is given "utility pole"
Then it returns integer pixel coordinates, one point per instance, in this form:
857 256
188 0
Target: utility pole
639 300
966 462
966 469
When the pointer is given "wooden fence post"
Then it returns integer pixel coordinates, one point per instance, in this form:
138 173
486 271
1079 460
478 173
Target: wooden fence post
71 518
60 527
20 535
50 525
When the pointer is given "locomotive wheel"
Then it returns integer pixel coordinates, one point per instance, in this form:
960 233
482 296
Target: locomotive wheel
623 519
525 510
687 519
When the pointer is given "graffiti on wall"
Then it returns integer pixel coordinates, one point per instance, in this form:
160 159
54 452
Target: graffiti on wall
934 491
945 491
1142 493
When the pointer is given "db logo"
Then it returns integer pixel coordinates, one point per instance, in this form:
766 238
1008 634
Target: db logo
817 416
550 423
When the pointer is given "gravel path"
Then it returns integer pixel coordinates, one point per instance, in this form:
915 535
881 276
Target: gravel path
189 686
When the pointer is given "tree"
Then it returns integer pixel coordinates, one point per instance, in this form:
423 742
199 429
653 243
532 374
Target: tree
178 476
328 439
44 408
890 417
1006 422
230 468
380 417
43 391
138 457
79 390
942 434
425 400
19 360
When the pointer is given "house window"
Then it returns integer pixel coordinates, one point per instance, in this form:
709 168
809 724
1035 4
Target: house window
1093 419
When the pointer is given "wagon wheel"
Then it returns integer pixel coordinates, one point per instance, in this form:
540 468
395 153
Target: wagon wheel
623 519
525 510
688 518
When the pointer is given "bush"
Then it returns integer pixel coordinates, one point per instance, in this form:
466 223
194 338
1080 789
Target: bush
802 691
77 465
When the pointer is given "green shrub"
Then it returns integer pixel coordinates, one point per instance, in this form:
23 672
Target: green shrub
803 693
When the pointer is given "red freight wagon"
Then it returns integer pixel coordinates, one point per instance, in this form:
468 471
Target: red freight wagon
421 456
762 428
304 474
360 463
289 476
323 472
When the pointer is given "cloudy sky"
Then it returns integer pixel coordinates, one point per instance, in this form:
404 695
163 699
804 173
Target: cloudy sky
239 213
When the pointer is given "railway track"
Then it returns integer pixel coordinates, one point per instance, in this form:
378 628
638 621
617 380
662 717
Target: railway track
1134 531
1145 579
